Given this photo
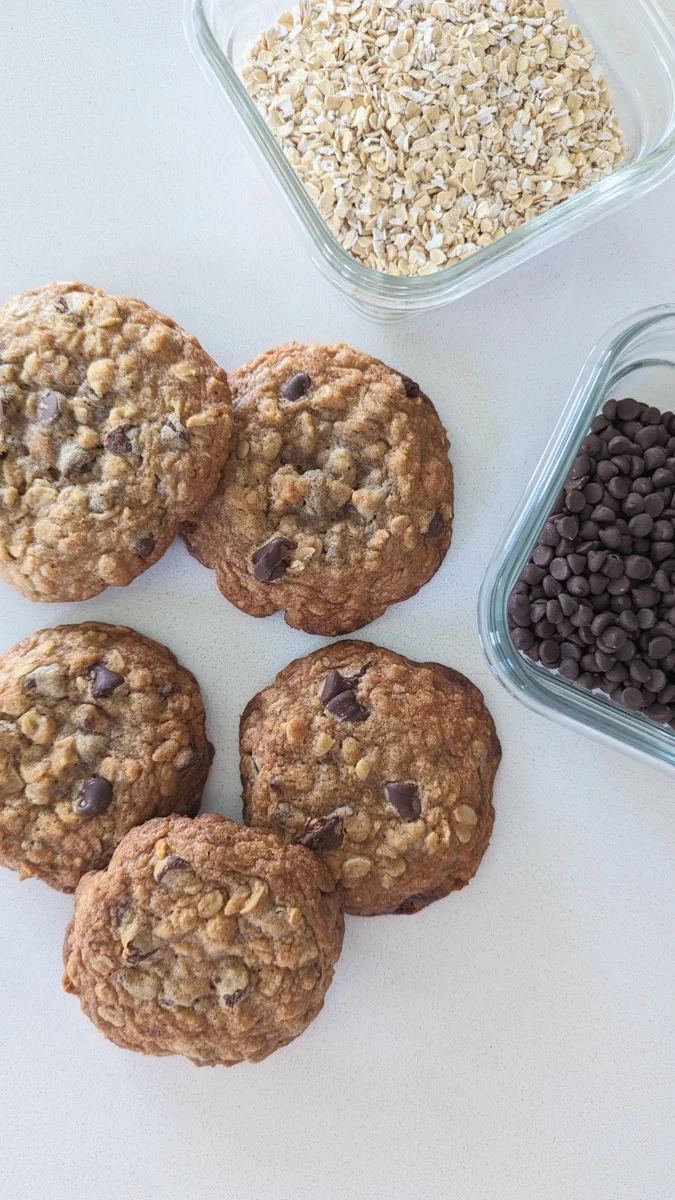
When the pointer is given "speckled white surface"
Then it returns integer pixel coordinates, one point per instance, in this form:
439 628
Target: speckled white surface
514 1042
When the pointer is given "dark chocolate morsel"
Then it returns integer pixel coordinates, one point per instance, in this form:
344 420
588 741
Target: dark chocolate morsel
188 758
270 562
296 387
436 527
405 798
326 836
117 441
333 685
172 862
346 707
48 406
104 681
411 388
95 797
145 545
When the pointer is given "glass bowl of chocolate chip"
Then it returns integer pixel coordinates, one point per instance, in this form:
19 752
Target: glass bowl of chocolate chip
576 614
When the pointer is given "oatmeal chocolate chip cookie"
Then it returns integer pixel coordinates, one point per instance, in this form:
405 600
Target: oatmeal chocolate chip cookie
204 939
337 500
100 729
384 767
114 425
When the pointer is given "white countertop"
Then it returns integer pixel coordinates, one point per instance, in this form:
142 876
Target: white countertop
514 1042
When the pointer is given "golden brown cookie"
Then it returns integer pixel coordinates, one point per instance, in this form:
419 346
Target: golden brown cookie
338 498
384 767
114 425
100 729
204 939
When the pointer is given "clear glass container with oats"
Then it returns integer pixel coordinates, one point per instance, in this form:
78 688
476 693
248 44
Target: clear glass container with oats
426 146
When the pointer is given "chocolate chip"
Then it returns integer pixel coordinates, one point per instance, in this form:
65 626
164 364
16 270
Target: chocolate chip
95 797
627 409
187 759
145 545
334 684
61 304
346 707
2 412
580 467
405 799
559 569
168 689
117 441
522 638
296 387
575 501
568 527
411 388
328 835
271 561
436 527
104 681
172 862
569 669
660 647
549 652
48 406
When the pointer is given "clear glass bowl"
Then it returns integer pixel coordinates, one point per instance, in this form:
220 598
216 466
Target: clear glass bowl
636 46
636 359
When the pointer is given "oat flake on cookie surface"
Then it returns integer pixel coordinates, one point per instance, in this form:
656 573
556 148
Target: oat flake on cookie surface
424 130
114 424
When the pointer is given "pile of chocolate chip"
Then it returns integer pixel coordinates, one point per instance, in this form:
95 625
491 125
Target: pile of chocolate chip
596 601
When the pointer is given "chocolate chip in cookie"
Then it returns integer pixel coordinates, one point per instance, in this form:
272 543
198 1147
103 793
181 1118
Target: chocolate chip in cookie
297 386
346 707
104 682
117 440
436 527
172 862
95 798
405 799
271 561
411 388
145 545
48 406
326 835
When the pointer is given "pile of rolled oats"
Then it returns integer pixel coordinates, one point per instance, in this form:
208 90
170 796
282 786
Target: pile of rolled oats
424 130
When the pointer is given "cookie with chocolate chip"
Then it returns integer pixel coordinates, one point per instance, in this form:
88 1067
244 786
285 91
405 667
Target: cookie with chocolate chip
338 498
204 939
114 425
382 766
100 729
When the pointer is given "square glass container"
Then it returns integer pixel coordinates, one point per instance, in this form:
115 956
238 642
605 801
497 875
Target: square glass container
636 50
637 359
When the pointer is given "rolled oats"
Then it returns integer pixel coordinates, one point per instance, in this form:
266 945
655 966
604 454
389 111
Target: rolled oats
425 130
